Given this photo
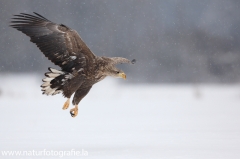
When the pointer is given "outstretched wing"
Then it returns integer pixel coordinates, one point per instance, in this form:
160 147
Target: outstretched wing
59 43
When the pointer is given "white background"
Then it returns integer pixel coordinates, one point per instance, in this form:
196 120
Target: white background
117 120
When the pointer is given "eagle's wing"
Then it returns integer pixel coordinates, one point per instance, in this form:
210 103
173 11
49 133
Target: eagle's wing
60 44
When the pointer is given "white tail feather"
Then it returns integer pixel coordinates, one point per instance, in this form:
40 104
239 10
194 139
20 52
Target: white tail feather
46 86
55 71
47 91
47 79
52 91
57 92
52 75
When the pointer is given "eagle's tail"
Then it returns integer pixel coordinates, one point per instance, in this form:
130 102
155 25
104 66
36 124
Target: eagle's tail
54 81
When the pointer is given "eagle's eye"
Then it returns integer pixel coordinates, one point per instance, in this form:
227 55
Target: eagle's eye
118 72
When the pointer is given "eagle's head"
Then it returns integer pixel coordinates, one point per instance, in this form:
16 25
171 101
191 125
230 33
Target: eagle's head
112 70
115 72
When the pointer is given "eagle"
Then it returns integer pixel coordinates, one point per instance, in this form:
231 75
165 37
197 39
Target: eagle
80 67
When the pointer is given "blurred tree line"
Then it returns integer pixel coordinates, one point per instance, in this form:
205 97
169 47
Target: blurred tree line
173 41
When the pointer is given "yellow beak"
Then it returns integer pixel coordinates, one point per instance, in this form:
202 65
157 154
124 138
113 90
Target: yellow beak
123 75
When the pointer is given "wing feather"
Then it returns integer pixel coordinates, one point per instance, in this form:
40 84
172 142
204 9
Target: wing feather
58 43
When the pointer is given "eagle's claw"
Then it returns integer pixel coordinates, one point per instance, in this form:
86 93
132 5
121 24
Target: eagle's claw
66 104
72 114
74 111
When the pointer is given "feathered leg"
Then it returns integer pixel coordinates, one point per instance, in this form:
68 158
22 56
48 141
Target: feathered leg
78 96
69 88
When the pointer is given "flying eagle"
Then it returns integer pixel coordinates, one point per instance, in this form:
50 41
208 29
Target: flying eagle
81 68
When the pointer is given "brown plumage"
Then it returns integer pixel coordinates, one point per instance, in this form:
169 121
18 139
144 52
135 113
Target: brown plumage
64 47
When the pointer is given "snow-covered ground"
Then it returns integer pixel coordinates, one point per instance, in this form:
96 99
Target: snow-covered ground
122 121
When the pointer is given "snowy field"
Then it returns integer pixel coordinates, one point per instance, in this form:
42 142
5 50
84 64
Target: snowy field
121 121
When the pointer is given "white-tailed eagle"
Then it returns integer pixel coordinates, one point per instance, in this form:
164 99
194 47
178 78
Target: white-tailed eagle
81 69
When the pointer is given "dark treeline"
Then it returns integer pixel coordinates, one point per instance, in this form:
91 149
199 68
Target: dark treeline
173 41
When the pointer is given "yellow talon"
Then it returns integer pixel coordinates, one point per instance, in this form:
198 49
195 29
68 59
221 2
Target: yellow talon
74 111
66 104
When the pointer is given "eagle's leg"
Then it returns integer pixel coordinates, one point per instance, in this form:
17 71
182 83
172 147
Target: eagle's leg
78 96
74 111
66 104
